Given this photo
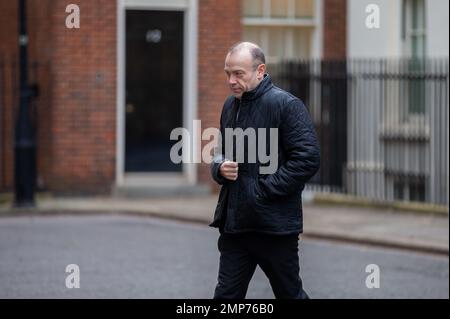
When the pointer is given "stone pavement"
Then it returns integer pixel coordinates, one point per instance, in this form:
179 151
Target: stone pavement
426 232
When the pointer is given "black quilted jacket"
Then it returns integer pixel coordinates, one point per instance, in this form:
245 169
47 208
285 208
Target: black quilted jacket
258 202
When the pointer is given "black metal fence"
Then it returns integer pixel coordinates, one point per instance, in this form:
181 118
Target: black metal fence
382 125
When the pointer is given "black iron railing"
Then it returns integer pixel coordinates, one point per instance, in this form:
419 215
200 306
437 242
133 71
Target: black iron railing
382 124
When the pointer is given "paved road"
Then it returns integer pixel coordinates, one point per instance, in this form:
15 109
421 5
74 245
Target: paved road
137 257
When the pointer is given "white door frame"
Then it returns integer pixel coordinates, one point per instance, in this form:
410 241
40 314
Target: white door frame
190 9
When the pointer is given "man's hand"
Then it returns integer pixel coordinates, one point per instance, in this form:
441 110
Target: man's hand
229 170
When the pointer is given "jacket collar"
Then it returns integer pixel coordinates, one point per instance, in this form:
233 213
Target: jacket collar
263 87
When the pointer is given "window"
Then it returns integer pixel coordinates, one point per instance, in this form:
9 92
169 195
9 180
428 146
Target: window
417 192
283 28
410 190
414 28
414 47
252 8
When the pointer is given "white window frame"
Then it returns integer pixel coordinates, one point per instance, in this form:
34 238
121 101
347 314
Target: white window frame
266 21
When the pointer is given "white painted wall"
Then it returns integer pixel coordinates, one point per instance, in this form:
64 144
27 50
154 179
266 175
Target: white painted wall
373 43
437 28
386 41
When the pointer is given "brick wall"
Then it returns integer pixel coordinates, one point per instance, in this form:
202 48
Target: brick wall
8 73
76 73
76 110
219 28
335 29
84 98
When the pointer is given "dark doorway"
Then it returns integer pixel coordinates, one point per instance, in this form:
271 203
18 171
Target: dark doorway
154 88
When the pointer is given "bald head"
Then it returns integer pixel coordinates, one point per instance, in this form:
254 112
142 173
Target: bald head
245 67
253 49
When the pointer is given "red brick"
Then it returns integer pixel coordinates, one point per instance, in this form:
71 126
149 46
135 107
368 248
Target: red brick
335 29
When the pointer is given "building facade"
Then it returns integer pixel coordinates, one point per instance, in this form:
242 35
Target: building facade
401 80
111 91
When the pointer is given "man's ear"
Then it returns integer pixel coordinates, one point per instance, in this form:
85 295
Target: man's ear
261 70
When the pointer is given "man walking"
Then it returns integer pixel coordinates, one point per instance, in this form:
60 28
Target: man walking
260 215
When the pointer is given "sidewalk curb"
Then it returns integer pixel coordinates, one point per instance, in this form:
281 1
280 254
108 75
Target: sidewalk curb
376 242
348 200
309 233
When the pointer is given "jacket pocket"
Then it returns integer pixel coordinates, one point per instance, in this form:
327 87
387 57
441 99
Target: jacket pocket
222 203
254 193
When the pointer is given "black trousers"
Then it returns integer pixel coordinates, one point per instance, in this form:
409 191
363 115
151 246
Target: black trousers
276 255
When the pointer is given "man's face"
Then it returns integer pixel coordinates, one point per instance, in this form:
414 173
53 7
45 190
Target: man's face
242 76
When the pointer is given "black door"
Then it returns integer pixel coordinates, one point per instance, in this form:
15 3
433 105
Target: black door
154 88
